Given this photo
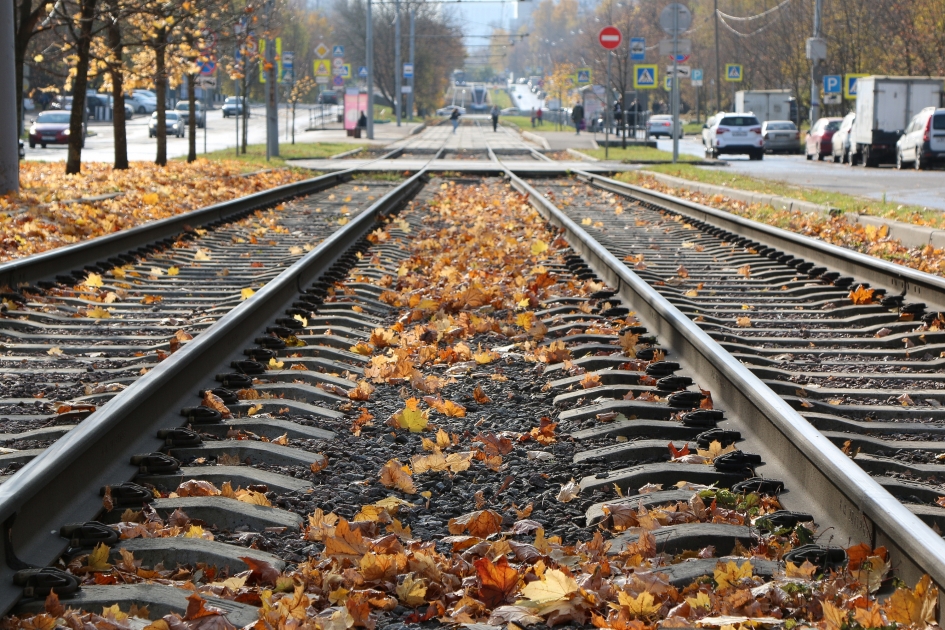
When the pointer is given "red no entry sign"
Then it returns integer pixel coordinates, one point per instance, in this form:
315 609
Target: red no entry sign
610 37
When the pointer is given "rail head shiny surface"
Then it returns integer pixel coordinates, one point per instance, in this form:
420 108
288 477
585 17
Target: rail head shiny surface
892 523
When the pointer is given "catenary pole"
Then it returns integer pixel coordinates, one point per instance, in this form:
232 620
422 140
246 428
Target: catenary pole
718 62
398 69
814 88
9 142
369 53
675 80
413 37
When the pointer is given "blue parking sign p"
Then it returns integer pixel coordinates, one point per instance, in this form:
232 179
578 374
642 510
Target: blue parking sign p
833 84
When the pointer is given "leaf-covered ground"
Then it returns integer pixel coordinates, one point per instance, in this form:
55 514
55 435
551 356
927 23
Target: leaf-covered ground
468 314
37 220
832 229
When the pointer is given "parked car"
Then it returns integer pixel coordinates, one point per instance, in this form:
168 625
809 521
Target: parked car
141 103
781 136
661 125
328 97
840 143
736 134
183 109
820 138
233 106
923 142
61 102
174 121
50 127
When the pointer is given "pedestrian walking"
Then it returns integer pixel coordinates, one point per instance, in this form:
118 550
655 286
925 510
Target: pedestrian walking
538 116
495 118
533 116
577 115
454 118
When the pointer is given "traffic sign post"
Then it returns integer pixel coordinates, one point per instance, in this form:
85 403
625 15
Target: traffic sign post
609 37
645 76
849 85
733 72
637 48
696 77
675 19
408 70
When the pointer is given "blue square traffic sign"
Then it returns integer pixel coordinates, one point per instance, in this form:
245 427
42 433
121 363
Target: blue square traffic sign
338 51
362 72
637 49
584 76
833 84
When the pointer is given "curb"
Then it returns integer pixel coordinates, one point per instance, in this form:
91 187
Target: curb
539 140
418 128
906 233
582 156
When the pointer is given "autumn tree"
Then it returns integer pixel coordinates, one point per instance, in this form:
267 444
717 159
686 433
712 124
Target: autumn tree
301 90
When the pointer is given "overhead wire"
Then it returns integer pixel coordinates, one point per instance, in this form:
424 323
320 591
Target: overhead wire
749 18
723 16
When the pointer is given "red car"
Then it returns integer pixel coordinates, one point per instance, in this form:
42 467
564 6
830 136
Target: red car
51 127
820 138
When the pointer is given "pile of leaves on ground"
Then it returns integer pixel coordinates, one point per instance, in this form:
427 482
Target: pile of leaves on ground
54 209
497 568
837 230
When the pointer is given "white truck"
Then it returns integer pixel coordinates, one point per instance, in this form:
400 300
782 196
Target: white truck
884 106
767 104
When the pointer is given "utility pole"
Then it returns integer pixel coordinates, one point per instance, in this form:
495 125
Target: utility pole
398 68
410 81
718 62
369 53
676 122
817 53
9 147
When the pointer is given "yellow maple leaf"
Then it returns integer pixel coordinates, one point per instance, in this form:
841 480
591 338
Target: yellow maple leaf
98 559
586 221
98 313
701 600
252 411
173 271
412 591
275 365
539 247
202 255
715 449
411 417
554 585
641 606
150 198
301 319
728 575
93 280
343 221
247 293
295 250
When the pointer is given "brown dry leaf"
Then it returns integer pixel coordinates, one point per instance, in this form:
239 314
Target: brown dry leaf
362 392
861 295
744 270
446 407
590 381
569 491
393 475
493 444
197 488
481 523
628 342
715 449
479 395
216 403
743 322
498 581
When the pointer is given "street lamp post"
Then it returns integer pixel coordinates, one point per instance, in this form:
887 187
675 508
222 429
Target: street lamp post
369 53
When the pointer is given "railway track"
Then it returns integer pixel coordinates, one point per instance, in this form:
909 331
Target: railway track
615 366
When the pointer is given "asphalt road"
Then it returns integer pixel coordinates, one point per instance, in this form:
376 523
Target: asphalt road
221 134
910 187
524 98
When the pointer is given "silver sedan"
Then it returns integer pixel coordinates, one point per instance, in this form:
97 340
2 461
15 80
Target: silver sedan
781 136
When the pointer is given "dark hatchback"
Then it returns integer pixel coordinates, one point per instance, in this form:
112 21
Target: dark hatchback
51 127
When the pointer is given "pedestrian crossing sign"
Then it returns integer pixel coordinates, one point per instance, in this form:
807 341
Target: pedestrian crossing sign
849 85
322 67
583 75
645 76
733 72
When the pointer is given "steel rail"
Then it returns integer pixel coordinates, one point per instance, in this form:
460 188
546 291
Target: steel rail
895 278
847 499
62 484
47 265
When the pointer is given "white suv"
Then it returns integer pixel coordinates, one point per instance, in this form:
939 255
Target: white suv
736 133
924 139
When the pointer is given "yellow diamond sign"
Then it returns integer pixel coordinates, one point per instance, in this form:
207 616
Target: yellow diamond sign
321 50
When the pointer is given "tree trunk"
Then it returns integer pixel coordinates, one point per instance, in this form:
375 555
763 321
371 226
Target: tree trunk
76 137
118 94
160 87
27 18
245 113
191 119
